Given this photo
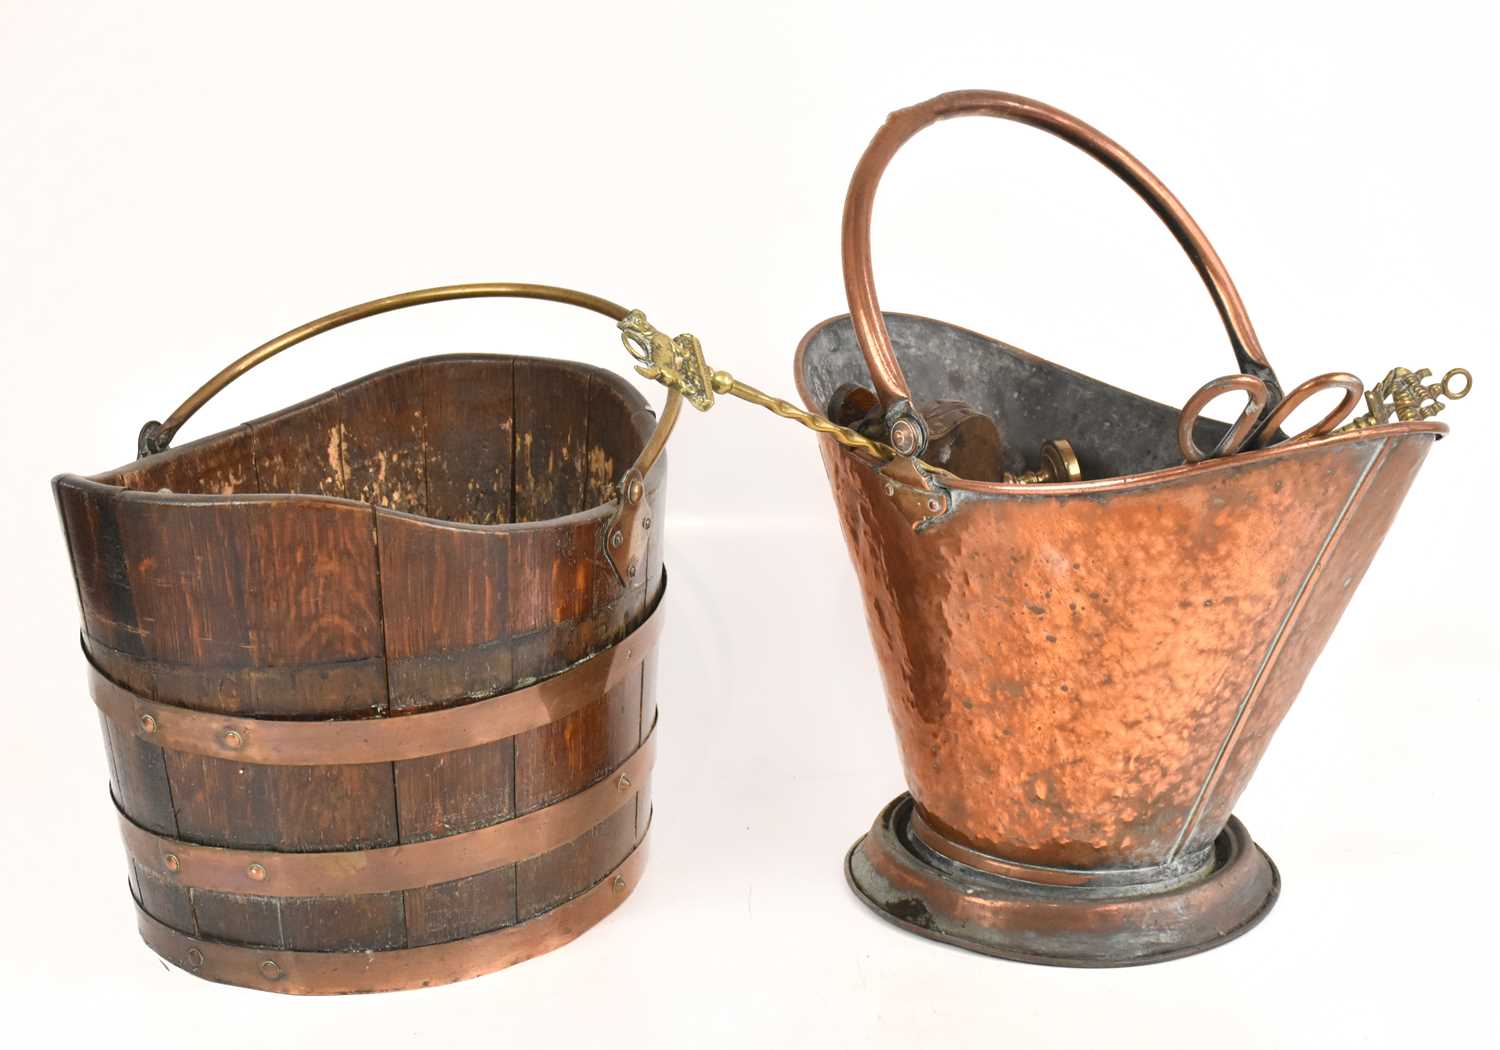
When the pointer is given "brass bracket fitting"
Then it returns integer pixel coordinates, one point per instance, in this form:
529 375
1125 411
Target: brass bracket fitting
627 536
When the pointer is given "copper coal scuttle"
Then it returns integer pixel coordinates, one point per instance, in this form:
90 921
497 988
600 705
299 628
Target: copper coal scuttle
1086 644
1084 661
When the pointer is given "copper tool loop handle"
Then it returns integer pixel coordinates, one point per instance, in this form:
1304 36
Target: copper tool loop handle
157 437
859 276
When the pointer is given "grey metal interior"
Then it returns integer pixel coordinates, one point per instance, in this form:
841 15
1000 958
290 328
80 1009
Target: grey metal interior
1112 431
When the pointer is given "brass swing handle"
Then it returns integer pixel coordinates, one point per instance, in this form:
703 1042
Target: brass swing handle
907 430
157 437
626 531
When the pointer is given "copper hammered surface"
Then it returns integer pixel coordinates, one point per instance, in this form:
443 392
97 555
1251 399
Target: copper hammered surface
1087 676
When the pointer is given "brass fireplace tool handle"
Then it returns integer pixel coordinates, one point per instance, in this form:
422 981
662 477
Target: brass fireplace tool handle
1402 394
678 364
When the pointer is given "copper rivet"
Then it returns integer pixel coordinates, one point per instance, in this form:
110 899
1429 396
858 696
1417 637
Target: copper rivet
635 491
148 724
269 970
647 523
890 490
619 884
233 740
256 872
170 862
624 781
904 437
195 958
631 570
934 506
617 539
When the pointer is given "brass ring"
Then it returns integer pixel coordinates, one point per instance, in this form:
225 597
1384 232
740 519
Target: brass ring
1457 395
636 346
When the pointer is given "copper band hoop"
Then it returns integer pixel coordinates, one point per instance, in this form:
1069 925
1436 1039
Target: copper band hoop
413 865
354 741
342 973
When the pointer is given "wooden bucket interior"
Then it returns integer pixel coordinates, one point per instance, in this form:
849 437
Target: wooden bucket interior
470 439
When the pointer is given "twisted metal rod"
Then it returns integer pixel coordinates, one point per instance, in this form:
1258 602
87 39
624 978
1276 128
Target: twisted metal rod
724 383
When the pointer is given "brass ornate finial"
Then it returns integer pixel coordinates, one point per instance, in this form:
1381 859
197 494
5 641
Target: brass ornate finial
675 363
678 364
1404 395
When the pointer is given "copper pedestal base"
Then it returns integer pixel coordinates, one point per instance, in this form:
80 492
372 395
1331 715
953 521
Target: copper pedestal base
1101 919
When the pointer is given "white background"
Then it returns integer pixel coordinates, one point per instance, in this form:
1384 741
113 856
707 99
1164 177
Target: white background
179 181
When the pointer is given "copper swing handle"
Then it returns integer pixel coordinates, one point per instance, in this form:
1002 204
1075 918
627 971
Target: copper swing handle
859 277
156 437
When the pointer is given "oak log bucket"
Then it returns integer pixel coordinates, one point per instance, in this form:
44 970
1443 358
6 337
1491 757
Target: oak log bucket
376 672
1082 675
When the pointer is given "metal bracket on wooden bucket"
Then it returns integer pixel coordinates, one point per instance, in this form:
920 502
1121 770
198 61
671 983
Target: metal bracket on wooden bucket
629 530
